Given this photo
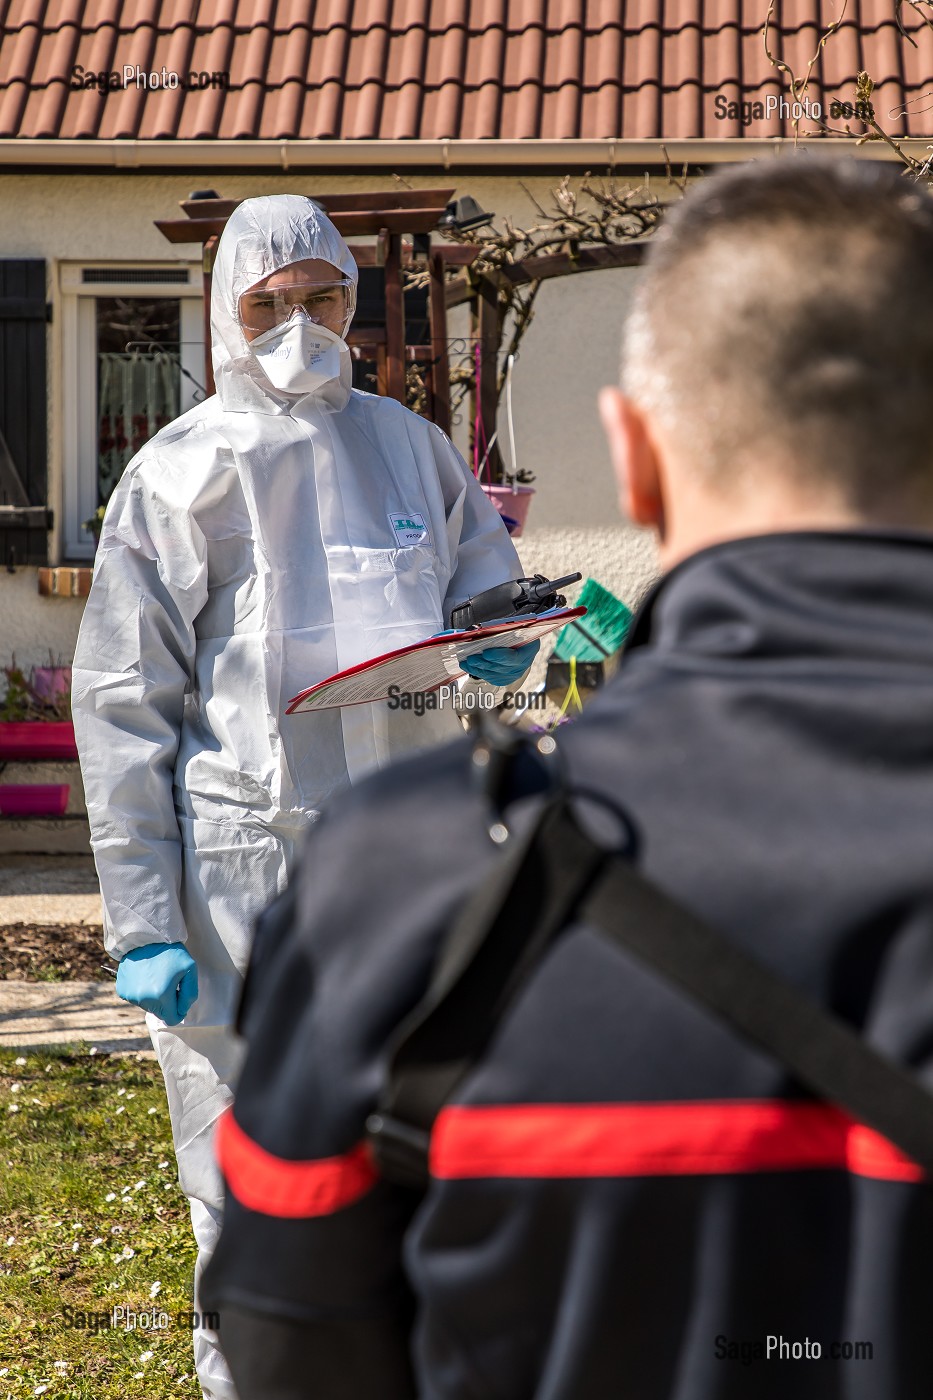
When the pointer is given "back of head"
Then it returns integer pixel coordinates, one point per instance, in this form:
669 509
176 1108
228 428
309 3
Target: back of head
784 325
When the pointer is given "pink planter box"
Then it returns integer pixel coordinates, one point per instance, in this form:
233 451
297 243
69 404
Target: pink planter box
512 504
33 799
37 739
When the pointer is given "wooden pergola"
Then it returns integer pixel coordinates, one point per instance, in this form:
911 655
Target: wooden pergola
403 222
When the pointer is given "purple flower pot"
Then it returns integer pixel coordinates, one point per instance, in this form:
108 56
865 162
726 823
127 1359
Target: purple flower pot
33 799
50 683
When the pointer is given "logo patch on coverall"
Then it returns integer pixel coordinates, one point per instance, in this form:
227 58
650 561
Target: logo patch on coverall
409 528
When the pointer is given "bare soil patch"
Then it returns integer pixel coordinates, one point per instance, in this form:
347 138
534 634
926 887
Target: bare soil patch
52 953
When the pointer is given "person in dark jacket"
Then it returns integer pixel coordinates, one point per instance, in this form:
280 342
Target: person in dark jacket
628 1201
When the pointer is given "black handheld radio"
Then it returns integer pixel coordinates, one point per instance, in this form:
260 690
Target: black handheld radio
516 598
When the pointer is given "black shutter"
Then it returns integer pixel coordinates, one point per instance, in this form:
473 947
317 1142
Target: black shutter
24 314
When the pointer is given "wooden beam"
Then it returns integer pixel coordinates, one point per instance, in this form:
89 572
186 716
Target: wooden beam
366 255
456 254
490 335
190 230
440 368
368 344
585 260
366 221
385 199
209 208
333 203
396 221
461 289
25 518
208 253
365 335
395 315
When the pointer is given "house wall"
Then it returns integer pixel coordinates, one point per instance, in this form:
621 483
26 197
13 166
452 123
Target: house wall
570 350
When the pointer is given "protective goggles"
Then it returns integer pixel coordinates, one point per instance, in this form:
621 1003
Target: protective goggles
331 303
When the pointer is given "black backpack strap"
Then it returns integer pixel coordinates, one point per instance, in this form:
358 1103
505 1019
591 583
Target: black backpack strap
554 875
496 940
821 1050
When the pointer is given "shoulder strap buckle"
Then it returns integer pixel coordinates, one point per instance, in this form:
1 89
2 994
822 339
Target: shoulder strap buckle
400 1149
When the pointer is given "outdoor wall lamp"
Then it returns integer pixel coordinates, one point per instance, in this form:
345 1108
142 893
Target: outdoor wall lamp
463 214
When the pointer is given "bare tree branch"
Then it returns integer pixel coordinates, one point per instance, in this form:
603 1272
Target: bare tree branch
864 86
599 212
798 86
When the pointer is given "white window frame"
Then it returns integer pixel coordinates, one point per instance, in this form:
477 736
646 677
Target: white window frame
79 376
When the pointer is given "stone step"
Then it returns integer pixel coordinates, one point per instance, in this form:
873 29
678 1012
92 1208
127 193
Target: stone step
42 889
70 1013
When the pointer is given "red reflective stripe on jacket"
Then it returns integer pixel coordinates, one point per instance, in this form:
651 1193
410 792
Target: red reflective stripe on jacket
275 1186
658 1139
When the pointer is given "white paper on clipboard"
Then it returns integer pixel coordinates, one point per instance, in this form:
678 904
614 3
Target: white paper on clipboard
423 666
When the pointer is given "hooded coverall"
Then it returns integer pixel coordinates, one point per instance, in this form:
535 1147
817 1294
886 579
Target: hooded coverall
249 551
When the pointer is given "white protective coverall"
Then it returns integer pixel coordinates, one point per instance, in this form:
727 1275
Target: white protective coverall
247 552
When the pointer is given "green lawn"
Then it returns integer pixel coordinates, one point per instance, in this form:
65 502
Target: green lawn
91 1219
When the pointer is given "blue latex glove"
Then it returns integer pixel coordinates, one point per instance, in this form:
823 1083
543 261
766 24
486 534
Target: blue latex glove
162 978
500 665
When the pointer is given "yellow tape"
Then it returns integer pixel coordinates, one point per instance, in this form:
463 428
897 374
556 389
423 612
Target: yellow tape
572 691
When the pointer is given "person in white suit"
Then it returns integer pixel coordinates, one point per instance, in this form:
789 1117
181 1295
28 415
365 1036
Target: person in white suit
286 528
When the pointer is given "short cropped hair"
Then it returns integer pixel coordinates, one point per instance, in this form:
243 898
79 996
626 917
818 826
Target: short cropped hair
785 321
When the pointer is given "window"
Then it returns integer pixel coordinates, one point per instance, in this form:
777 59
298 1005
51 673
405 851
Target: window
133 360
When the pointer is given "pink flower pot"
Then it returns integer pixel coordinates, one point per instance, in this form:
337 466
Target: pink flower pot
33 799
36 738
511 503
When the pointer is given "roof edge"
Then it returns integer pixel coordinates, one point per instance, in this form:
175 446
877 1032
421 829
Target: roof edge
297 155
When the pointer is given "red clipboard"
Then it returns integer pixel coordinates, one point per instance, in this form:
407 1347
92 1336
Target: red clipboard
422 666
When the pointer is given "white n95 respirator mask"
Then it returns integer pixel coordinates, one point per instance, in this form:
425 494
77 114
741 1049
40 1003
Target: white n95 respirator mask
300 357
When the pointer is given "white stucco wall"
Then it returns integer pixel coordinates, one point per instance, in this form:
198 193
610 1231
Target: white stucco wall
571 349
30 626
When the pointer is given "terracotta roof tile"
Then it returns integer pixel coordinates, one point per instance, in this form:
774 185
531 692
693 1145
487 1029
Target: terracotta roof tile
368 61
841 57
248 60
602 73
681 70
408 117
23 12
641 70
721 45
451 60
327 101
96 45
287 59
484 72
477 69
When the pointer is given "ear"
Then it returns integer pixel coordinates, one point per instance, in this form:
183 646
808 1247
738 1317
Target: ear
634 459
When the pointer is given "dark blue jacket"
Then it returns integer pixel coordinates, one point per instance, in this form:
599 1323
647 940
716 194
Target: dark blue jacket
628 1202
